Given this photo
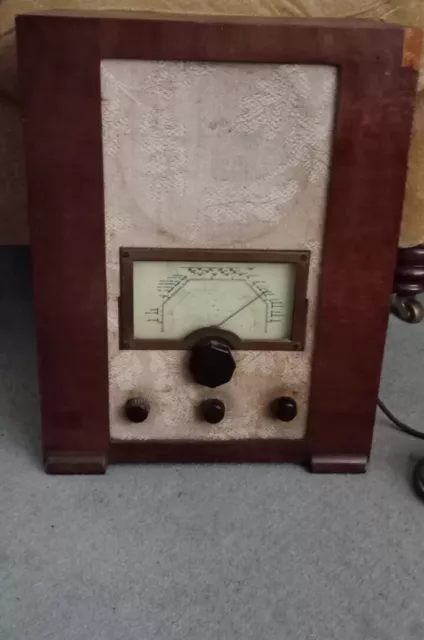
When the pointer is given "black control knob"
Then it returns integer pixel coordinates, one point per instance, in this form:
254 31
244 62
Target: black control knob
137 409
284 408
212 410
211 362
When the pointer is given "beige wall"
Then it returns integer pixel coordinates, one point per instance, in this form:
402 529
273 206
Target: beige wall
13 215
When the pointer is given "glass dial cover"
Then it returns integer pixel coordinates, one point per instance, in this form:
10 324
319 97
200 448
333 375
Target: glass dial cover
253 300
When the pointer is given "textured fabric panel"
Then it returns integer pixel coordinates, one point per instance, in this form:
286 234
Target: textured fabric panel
215 156
13 214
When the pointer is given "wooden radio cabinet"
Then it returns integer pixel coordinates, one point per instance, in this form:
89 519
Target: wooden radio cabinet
214 214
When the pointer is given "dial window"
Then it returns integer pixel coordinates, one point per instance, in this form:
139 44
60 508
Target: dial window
256 296
252 300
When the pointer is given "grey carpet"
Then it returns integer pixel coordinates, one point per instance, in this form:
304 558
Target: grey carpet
204 552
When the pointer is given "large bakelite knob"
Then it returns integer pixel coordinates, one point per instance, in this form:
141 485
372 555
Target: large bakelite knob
211 362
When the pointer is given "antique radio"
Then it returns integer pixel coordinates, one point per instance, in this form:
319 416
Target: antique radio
214 213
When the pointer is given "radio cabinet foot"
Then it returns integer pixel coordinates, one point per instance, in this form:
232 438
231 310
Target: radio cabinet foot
74 463
339 464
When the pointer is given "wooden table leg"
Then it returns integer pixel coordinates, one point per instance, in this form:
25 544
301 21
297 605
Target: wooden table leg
408 283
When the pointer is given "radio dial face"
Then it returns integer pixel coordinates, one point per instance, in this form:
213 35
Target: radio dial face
172 299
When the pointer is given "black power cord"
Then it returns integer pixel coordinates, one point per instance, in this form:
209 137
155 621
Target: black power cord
398 423
418 473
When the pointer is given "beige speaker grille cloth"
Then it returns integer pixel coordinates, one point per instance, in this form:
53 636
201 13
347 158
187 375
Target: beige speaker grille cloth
184 168
13 215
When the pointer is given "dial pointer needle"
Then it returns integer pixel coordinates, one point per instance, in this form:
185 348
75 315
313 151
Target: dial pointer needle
238 310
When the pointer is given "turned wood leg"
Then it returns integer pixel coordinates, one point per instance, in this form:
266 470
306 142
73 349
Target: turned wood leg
408 283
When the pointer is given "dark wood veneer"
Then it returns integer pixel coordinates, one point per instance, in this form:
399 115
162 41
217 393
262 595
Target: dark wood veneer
195 451
339 464
362 226
59 58
75 463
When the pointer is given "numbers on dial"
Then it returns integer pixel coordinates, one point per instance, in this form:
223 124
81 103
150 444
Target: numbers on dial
253 300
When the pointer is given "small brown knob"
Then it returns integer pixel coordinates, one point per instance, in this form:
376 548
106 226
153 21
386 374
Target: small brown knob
212 410
137 409
284 408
